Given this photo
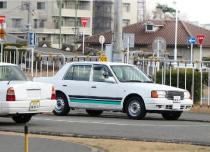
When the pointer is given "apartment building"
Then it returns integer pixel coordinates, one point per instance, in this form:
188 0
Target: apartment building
103 14
43 17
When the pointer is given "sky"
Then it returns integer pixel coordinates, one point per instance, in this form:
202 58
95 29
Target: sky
196 10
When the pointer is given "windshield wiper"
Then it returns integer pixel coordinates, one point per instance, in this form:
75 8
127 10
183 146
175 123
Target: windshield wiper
9 81
132 81
148 81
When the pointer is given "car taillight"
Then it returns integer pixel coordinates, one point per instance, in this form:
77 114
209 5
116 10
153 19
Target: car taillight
10 94
53 96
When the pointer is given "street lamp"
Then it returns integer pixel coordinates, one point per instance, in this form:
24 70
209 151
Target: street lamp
175 48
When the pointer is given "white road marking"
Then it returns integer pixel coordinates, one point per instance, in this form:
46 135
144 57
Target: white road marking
120 124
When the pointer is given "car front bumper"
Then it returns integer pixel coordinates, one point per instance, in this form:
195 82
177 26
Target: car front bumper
163 104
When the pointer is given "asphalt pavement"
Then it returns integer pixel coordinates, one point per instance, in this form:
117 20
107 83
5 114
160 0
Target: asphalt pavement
15 143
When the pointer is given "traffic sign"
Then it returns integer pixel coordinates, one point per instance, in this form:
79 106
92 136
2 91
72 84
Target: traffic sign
200 38
125 40
101 39
103 59
2 33
32 39
2 17
84 21
191 40
159 44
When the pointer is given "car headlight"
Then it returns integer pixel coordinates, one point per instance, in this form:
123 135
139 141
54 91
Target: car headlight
187 95
158 94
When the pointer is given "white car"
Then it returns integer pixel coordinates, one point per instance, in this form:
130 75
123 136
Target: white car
21 98
98 87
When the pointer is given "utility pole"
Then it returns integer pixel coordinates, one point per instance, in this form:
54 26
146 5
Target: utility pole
117 47
26 26
75 24
60 7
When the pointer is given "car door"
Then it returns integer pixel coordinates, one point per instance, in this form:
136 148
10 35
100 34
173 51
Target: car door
103 95
77 85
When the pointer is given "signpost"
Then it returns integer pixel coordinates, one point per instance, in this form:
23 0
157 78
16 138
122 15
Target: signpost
2 34
159 44
128 42
101 40
200 39
84 23
32 39
191 41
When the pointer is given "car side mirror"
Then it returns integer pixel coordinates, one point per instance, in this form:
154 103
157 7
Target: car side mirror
110 80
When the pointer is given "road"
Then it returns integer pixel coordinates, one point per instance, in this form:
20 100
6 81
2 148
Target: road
190 128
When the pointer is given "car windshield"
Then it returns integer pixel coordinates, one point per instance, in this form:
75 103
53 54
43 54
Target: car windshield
126 73
12 73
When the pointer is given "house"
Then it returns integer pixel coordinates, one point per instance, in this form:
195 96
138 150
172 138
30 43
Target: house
147 31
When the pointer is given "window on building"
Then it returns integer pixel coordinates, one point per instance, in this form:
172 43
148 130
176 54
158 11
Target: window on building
126 7
126 22
98 8
107 8
40 5
42 23
16 23
35 23
3 4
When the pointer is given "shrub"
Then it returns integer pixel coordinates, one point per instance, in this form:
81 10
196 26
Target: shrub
197 82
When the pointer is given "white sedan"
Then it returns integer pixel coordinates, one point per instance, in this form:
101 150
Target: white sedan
20 98
98 87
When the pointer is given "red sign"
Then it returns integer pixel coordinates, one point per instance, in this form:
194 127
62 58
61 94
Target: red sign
84 21
200 38
2 17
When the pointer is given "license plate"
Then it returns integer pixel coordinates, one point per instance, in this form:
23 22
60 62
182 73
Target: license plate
34 105
176 99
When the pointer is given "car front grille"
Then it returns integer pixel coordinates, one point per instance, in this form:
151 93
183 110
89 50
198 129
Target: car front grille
170 94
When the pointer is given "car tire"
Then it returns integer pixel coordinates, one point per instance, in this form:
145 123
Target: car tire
22 118
135 108
62 107
171 115
94 112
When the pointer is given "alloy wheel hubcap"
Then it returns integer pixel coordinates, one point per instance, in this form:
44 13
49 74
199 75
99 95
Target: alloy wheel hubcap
134 108
60 105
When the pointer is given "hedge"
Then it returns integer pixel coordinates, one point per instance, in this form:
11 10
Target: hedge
197 82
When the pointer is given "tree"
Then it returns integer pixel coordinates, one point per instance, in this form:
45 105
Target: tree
163 11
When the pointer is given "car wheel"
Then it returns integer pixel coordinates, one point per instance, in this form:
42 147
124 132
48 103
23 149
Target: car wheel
135 108
171 115
22 118
62 107
94 112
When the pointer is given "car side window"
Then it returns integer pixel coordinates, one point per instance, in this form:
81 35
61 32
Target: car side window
99 71
78 72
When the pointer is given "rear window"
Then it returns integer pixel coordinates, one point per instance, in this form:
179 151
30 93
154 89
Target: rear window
12 73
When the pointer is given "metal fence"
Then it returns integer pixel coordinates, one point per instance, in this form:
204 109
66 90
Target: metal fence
35 63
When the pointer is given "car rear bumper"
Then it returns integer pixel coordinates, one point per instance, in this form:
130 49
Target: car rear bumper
23 107
162 104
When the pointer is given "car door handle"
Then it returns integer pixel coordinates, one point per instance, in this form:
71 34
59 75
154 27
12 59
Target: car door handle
64 85
93 87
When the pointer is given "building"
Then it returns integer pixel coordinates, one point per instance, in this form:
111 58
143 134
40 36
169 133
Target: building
147 31
42 18
103 14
